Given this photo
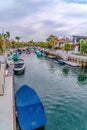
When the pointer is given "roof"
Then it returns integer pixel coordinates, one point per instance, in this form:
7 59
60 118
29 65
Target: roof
76 36
85 39
76 44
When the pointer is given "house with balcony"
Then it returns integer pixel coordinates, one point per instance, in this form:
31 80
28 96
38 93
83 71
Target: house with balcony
60 42
76 42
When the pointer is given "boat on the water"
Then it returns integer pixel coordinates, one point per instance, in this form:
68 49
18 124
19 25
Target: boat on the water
15 57
19 51
30 111
10 61
51 57
60 61
28 52
38 53
19 66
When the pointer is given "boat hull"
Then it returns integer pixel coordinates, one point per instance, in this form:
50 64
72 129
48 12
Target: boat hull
19 71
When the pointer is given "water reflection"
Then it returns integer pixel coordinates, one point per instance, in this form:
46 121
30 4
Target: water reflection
65 71
51 65
82 79
18 127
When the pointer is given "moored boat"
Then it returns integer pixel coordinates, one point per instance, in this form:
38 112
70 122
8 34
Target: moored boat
19 51
10 61
28 52
19 66
38 53
15 57
60 61
30 111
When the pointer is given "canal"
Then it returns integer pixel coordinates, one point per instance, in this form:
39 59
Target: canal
62 90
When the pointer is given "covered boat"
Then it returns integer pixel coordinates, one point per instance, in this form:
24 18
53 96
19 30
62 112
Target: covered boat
60 61
10 61
18 51
28 52
39 53
15 57
19 66
30 111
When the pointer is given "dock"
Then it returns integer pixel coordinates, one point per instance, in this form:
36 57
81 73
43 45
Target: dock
7 103
72 64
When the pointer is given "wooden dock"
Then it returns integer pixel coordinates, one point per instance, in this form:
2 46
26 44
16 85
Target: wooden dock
72 64
7 104
82 60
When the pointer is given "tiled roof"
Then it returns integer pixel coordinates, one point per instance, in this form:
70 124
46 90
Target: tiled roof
75 44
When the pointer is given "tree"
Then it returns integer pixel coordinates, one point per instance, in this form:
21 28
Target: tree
51 41
67 47
42 44
83 46
7 37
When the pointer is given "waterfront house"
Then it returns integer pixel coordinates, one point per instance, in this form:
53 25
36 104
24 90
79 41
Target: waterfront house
76 42
60 42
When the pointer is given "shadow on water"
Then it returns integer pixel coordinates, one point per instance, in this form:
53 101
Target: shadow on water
19 74
18 127
41 128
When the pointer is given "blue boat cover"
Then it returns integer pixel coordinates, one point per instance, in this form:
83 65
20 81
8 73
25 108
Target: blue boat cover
26 96
30 110
60 61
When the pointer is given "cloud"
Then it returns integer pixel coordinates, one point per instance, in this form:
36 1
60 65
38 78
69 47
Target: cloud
37 19
76 1
5 4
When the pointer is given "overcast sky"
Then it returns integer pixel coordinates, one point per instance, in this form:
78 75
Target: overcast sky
37 19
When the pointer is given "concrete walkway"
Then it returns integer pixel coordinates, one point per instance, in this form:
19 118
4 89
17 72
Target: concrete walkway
2 69
7 106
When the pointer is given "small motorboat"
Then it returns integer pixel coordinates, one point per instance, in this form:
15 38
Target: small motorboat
30 111
10 61
51 57
19 66
28 52
60 61
19 51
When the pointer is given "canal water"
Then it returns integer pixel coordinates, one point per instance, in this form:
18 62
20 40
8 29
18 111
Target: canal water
62 90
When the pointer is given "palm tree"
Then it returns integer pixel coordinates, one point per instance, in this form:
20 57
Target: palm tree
8 35
17 38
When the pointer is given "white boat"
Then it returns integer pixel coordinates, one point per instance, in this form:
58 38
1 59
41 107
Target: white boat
19 66
10 61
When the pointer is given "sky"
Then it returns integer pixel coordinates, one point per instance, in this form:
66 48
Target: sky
37 19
